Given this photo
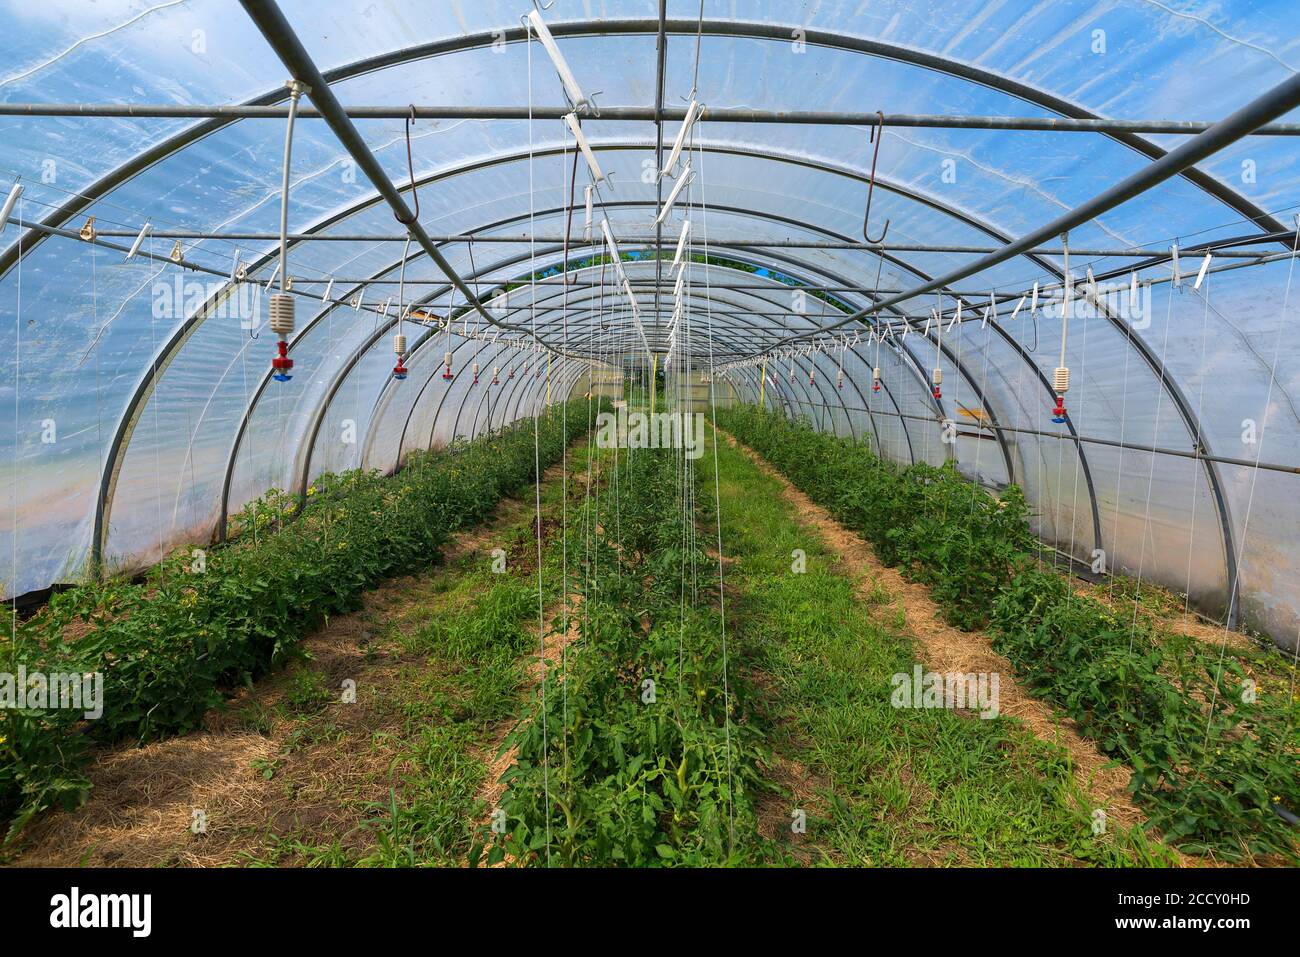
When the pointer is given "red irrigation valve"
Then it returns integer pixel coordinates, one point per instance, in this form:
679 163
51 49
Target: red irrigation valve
282 363
475 382
1058 413
936 376
875 386
399 370
839 380
446 372
511 374
496 378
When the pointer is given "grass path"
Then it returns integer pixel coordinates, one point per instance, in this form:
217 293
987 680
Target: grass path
882 785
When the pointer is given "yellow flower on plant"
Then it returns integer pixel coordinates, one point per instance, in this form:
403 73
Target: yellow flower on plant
311 490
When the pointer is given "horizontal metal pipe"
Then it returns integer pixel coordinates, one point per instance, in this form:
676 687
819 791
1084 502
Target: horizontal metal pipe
1129 252
1052 124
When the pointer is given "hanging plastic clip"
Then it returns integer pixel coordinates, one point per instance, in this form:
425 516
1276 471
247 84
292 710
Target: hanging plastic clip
139 240
1200 275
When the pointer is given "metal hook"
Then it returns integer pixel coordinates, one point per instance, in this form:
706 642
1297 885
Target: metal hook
877 134
543 8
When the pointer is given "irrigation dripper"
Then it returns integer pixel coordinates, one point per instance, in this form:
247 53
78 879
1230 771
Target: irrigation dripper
282 363
399 347
446 371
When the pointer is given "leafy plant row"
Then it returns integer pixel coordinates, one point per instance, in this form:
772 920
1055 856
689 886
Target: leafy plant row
1213 753
614 770
169 646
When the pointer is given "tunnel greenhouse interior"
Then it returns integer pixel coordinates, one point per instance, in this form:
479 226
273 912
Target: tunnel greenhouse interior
635 405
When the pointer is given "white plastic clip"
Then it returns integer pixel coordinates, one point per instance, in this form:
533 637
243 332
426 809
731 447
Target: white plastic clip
10 202
135 246
1200 275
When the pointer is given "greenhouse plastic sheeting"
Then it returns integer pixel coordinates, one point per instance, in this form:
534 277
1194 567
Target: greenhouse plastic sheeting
150 382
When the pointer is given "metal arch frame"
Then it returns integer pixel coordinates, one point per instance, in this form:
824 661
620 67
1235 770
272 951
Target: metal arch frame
502 349
318 415
952 358
419 344
415 403
910 362
172 347
738 320
431 335
823 167
639 26
801 265
583 307
168 351
438 411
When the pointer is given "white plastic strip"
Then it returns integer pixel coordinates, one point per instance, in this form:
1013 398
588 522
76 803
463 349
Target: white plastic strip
681 244
10 202
672 197
681 139
571 119
1200 275
139 241
570 82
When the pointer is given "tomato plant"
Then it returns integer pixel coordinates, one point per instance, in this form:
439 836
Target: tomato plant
170 645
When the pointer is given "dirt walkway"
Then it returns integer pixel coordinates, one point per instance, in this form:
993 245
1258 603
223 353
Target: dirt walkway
947 649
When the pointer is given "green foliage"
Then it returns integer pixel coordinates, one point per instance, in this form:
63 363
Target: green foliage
603 777
168 646
1208 765
935 526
